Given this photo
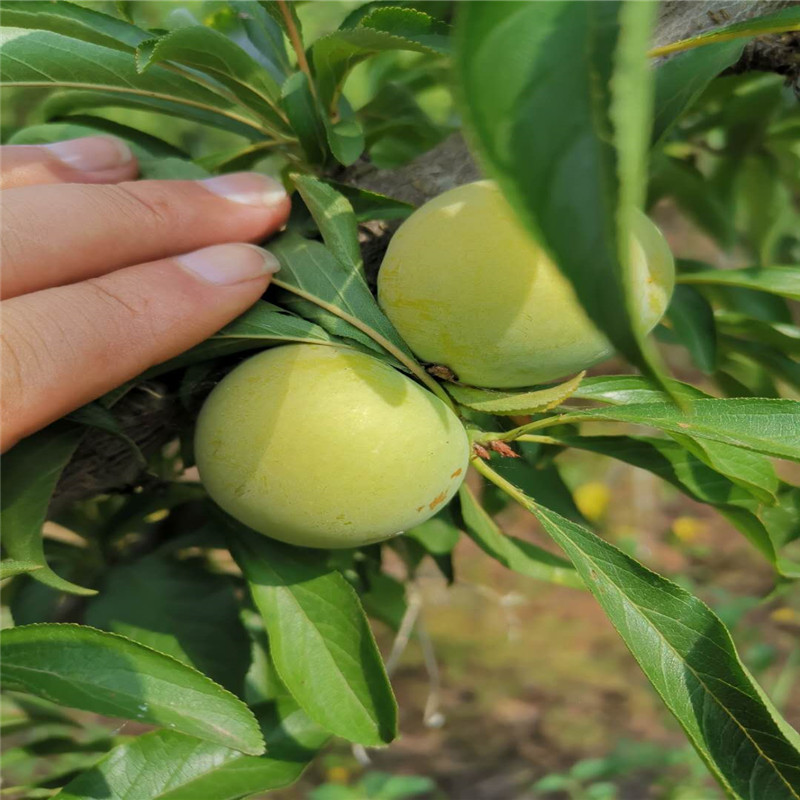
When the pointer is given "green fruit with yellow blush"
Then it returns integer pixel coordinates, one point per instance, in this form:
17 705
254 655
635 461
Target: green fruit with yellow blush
323 446
468 288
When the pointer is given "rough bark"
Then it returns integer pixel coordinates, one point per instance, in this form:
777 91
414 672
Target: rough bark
104 463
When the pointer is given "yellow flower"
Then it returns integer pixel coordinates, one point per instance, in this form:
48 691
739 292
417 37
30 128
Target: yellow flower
592 499
338 775
784 614
688 529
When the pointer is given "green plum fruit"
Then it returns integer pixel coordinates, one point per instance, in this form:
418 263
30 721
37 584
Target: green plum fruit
468 288
323 446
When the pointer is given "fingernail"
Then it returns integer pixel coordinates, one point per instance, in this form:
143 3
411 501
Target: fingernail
226 264
92 154
250 188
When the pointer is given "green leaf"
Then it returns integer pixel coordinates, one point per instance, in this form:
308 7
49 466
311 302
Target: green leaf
262 325
519 555
783 336
692 321
302 110
626 389
309 270
689 657
178 608
337 53
344 133
671 462
84 668
680 80
396 128
74 21
515 403
751 471
385 599
10 567
439 535
371 205
165 765
767 426
215 54
782 281
144 145
45 59
266 35
572 171
335 219
30 473
320 640
675 178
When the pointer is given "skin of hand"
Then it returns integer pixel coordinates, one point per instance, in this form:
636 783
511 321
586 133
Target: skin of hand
104 276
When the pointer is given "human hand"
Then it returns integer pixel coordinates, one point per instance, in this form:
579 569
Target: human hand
104 277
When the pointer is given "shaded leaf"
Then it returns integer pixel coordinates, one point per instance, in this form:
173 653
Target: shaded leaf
783 281
81 667
302 110
680 80
178 608
692 321
31 470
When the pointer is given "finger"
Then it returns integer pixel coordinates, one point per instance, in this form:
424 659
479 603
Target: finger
66 346
94 159
54 235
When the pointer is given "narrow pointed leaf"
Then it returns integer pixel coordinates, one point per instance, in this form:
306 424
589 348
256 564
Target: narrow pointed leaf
782 281
320 640
692 321
309 270
302 110
81 667
335 219
515 403
215 54
77 22
30 473
42 58
766 426
337 53
517 554
625 389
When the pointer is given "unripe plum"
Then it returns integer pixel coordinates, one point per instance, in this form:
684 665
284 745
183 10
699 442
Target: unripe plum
323 446
468 288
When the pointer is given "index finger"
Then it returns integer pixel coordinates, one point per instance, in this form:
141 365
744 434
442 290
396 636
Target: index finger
55 235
